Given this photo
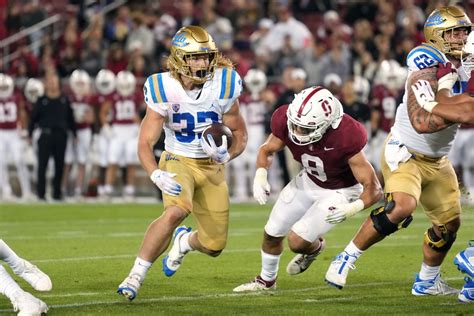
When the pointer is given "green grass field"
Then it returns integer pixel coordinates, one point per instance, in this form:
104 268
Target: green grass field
88 249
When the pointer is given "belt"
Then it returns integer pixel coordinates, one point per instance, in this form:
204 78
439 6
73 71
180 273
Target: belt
423 157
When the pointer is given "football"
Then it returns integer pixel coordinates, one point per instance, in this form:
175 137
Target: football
217 130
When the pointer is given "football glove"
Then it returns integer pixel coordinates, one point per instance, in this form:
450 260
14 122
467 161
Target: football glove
447 76
341 212
218 154
261 187
424 95
164 181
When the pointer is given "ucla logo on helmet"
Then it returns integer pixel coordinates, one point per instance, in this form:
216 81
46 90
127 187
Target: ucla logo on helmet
435 19
180 41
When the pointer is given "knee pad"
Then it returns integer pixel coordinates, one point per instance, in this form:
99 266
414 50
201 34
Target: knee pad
382 223
440 244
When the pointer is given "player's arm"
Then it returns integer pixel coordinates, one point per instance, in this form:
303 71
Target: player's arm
235 122
365 175
372 192
150 132
267 150
261 187
422 120
104 112
459 108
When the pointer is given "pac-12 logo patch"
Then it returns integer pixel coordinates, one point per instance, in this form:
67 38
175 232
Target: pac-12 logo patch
175 107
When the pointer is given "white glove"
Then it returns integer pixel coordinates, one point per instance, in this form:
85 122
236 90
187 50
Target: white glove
448 80
218 154
164 181
341 212
424 95
261 187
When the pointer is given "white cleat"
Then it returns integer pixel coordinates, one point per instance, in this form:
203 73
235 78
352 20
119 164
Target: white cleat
129 287
257 285
39 280
436 286
173 260
301 262
338 270
27 305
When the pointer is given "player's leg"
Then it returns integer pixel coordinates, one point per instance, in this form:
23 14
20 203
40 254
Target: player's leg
131 162
440 200
115 154
403 188
21 267
23 302
306 235
4 178
84 138
293 197
17 150
160 231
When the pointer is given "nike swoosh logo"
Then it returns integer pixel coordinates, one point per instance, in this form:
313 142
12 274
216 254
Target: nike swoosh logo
327 149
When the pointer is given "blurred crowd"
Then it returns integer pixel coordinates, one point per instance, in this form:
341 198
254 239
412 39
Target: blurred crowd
357 49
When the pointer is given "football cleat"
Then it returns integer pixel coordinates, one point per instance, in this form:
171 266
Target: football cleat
257 285
467 292
27 305
301 262
173 260
130 286
39 280
465 260
338 270
436 286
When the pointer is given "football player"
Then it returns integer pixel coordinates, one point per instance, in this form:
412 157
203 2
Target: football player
77 151
123 131
415 166
12 138
253 109
105 86
23 302
336 182
200 88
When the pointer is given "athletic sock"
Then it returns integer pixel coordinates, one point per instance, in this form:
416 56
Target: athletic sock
184 245
11 258
141 268
353 252
269 266
428 272
8 286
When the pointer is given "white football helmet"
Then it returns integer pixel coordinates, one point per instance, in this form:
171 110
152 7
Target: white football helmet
6 86
34 89
105 82
311 113
255 80
467 56
80 82
388 74
361 88
126 83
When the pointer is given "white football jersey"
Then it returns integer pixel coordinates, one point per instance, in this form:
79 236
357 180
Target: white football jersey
436 144
186 117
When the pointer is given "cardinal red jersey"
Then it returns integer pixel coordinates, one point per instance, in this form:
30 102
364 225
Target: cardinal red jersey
80 107
384 101
125 109
252 110
325 161
10 110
